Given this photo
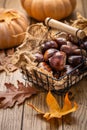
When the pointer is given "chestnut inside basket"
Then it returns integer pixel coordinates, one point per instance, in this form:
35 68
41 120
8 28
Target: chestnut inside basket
43 81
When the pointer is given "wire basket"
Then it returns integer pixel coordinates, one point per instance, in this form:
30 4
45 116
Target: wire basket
61 85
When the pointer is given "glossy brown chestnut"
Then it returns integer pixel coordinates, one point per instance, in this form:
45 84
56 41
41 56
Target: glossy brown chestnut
80 52
67 49
61 41
47 45
39 57
75 60
45 66
58 61
72 45
48 53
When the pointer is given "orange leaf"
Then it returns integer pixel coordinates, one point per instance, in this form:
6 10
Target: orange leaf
35 108
52 103
68 106
54 109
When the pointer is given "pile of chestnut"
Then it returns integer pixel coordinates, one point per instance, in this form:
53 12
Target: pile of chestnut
60 55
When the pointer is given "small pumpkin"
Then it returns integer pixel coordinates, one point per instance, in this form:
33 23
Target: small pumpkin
13 25
57 9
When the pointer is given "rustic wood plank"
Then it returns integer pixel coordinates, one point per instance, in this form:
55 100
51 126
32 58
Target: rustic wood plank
10 119
78 119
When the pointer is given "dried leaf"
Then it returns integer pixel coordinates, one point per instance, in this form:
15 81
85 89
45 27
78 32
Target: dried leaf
55 111
13 94
6 60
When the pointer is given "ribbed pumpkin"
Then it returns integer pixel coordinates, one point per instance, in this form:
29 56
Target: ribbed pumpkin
13 24
57 9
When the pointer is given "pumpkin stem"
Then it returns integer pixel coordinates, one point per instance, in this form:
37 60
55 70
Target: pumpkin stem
8 16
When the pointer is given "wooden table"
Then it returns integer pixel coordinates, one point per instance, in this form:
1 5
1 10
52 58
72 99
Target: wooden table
23 117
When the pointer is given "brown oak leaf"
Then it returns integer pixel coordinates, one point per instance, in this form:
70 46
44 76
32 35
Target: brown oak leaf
13 94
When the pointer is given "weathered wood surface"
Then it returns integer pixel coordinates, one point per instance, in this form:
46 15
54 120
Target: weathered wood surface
23 117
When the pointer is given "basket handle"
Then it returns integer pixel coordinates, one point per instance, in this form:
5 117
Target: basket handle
64 27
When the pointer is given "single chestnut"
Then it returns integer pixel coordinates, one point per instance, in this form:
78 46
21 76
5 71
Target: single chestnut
39 57
44 66
80 52
72 45
67 49
61 41
75 60
58 61
48 53
49 44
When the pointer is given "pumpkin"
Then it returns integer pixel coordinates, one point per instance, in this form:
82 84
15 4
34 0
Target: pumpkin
56 9
13 25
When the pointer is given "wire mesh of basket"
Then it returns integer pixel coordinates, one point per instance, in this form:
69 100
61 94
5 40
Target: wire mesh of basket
63 83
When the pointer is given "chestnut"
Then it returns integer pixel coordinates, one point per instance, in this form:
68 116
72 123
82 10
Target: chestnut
47 45
75 60
44 66
48 53
72 45
61 41
39 57
67 49
58 61
80 52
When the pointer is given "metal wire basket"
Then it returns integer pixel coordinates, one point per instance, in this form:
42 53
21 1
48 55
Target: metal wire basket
62 84
43 81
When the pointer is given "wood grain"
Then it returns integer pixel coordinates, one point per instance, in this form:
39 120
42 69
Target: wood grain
10 119
78 120
23 117
32 119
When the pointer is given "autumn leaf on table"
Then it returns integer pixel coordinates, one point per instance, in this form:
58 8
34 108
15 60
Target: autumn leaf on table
55 111
13 94
6 61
